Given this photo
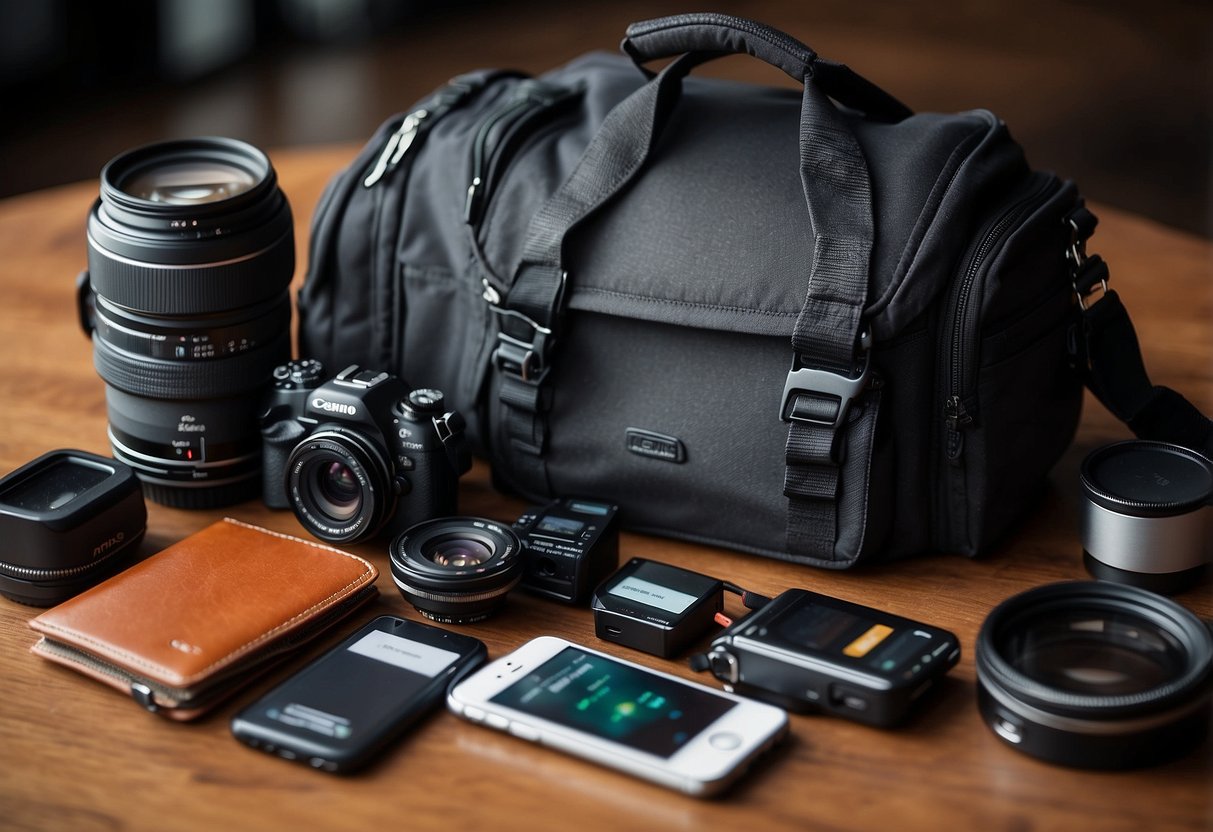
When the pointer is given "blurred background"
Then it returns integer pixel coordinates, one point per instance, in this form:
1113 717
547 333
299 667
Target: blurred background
1116 94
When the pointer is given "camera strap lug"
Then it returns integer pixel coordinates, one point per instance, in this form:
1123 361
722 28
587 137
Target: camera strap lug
85 304
450 427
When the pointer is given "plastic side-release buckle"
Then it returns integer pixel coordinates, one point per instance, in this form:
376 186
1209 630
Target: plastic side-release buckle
823 397
523 359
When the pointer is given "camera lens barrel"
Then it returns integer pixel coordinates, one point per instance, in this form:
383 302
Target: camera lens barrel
456 570
191 253
1095 675
1147 518
339 485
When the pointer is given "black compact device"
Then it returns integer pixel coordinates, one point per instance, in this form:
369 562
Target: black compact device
569 547
342 709
67 519
809 652
359 454
655 607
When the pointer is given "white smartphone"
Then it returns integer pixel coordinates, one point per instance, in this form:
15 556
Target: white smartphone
653 725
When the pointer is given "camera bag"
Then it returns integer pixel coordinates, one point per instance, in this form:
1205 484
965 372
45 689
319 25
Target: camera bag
807 324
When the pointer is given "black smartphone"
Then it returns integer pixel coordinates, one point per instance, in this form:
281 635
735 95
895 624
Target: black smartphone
340 710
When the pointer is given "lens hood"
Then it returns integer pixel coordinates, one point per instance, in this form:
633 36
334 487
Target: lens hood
1095 675
456 570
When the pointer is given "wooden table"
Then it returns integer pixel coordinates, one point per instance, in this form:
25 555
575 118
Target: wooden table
77 756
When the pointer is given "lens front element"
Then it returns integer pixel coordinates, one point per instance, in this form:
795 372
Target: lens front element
188 183
456 570
1095 675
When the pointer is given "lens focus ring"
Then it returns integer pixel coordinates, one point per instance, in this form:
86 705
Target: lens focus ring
195 289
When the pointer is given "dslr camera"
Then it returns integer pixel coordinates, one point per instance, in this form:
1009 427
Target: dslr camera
361 454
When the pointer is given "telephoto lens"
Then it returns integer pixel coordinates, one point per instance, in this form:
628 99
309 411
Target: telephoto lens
1095 675
190 254
456 570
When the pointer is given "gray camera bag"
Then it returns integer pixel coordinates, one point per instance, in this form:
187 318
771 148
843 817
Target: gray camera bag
807 324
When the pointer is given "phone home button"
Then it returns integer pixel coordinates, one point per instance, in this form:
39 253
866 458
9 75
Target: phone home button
724 740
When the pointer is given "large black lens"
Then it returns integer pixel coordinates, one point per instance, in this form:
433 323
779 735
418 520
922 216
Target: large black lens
191 252
338 484
456 570
1095 675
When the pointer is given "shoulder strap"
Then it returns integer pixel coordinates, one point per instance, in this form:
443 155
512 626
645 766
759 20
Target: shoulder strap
1109 355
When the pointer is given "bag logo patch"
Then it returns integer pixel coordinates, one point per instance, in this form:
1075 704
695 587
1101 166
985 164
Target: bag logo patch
654 445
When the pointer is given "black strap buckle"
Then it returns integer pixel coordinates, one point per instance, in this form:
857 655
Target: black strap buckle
823 397
522 358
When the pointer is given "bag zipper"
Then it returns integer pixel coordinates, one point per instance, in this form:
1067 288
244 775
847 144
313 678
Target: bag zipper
397 145
960 348
496 135
400 143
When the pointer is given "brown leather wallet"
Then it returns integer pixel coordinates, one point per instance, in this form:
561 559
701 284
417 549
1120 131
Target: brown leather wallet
189 626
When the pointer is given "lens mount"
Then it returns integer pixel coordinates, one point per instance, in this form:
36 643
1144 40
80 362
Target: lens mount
338 484
456 570
1095 675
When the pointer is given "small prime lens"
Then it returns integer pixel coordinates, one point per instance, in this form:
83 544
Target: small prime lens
1095 675
456 570
191 253
1147 517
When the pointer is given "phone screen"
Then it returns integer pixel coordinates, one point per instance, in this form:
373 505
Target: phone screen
615 701
353 696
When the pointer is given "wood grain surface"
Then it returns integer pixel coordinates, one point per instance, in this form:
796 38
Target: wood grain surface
75 755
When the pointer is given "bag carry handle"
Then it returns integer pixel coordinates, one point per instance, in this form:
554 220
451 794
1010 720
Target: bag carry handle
666 37
830 349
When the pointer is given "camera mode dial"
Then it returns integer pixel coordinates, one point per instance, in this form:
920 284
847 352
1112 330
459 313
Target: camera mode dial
423 400
294 375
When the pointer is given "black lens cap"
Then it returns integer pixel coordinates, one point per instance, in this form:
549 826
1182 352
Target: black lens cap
1148 479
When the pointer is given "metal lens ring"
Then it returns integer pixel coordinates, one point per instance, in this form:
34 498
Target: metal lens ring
338 485
456 570
1095 675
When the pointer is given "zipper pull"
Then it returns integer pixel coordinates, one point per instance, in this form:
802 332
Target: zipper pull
957 418
397 145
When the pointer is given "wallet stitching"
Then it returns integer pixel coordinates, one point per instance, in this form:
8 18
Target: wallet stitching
133 659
